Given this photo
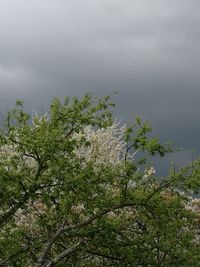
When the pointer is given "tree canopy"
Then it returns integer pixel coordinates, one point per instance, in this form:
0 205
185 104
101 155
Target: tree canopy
76 191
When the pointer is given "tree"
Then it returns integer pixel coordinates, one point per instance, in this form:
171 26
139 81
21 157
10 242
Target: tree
76 192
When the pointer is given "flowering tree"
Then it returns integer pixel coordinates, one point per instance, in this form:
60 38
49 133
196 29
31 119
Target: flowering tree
74 192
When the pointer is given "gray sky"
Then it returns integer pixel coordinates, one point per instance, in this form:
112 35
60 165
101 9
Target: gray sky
147 50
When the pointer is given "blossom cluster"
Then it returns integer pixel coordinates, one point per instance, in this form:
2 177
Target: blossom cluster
107 145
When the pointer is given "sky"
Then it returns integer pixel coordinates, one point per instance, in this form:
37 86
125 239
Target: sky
146 50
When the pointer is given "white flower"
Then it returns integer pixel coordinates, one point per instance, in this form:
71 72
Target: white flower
150 172
77 209
107 145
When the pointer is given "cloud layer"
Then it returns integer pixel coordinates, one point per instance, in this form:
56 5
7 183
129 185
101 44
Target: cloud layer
148 51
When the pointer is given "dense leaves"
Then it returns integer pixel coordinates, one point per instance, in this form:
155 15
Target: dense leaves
74 192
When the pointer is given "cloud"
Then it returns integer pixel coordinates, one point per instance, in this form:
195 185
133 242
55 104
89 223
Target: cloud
148 51
17 78
124 45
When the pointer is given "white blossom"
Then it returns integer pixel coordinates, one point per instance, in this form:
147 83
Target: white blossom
106 144
77 209
149 172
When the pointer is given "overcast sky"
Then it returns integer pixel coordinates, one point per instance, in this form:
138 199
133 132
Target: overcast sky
146 50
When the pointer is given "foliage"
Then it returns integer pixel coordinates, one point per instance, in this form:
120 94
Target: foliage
74 192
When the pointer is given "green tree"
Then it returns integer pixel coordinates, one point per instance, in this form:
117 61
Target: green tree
76 192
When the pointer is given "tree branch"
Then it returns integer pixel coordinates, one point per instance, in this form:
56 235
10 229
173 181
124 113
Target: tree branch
8 214
62 255
64 228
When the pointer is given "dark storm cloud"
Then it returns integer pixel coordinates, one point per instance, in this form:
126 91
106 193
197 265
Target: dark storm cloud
147 50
